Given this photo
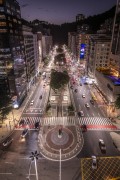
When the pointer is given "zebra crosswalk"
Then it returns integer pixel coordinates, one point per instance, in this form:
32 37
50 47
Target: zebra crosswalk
94 121
91 122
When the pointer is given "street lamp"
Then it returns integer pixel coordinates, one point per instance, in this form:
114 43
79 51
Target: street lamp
34 157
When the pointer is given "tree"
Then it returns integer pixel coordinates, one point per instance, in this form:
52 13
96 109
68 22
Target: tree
5 106
117 102
59 79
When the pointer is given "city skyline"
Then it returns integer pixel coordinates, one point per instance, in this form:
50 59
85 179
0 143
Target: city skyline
51 11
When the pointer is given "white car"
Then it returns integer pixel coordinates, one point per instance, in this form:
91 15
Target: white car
94 162
32 102
24 133
82 113
87 105
102 145
83 95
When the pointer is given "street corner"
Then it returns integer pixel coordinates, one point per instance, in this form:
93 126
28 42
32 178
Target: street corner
54 138
108 168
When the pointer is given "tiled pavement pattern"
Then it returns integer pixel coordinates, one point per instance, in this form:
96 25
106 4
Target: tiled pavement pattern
108 169
91 122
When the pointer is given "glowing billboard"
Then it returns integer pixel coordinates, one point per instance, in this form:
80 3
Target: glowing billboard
82 51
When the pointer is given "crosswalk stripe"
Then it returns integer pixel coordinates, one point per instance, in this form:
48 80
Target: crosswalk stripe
67 121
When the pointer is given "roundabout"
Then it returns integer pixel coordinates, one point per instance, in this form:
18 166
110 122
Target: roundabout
52 139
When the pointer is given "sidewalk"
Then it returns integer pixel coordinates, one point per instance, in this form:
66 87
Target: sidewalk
14 116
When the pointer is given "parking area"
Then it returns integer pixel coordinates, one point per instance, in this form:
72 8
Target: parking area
107 168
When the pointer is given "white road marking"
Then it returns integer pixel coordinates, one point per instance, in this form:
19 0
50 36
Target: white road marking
32 113
98 114
35 108
79 107
93 114
9 163
29 158
6 173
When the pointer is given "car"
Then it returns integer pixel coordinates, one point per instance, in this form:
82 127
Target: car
24 133
21 123
76 90
36 125
83 95
91 101
40 97
87 105
102 145
80 114
84 127
71 87
94 162
7 142
32 102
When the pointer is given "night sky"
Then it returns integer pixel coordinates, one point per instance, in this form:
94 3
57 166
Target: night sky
62 11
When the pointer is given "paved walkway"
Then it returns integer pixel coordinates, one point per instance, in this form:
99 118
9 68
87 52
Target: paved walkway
70 142
13 117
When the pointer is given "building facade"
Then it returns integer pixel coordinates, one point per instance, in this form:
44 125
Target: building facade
72 43
12 59
82 47
99 52
46 45
115 44
80 17
29 54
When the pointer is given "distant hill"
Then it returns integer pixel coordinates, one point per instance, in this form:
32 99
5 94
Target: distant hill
60 32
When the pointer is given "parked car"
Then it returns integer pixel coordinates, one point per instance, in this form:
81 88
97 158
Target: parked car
83 95
24 133
102 145
87 105
94 162
7 142
32 102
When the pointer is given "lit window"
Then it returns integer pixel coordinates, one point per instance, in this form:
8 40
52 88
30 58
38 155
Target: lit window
1 1
1 9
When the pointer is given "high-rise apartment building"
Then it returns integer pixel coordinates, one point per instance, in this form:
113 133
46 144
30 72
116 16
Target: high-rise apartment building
29 54
115 45
82 47
46 45
12 60
99 52
80 17
72 42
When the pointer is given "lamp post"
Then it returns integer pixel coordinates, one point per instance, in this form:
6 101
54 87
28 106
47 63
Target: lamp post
34 157
60 167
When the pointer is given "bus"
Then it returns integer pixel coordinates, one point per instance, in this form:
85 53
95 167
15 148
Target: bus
93 96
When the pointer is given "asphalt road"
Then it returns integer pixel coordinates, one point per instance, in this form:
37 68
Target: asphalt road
15 161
